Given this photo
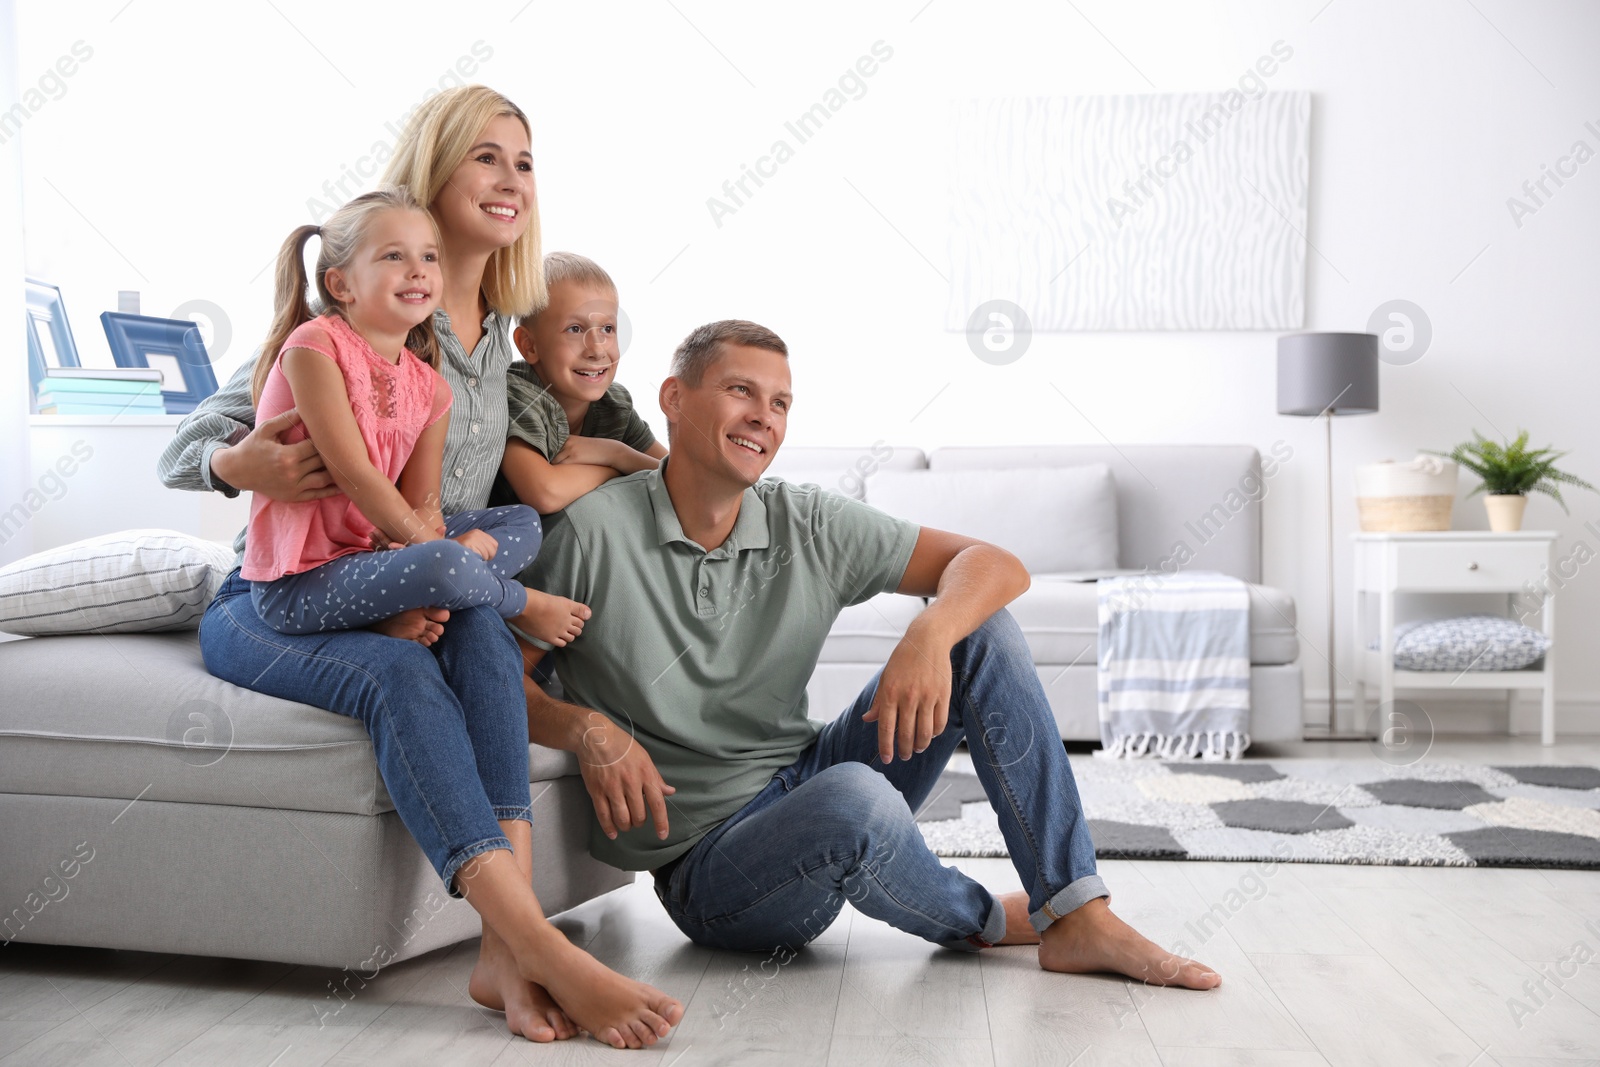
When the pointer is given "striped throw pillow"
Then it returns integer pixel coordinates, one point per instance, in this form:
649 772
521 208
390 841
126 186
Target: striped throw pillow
129 582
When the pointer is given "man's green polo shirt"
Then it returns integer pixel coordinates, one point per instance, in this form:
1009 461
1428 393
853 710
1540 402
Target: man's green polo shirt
704 656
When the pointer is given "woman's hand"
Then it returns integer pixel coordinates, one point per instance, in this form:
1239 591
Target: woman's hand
262 463
482 543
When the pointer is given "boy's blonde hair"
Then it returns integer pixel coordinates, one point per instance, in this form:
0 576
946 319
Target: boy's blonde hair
342 237
436 140
562 267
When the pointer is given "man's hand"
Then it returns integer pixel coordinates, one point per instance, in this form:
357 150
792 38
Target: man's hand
262 463
912 702
482 543
622 779
594 451
422 625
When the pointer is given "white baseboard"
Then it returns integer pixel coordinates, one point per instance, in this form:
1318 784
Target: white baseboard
1479 712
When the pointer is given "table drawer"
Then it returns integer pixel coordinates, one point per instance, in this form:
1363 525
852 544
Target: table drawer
1469 567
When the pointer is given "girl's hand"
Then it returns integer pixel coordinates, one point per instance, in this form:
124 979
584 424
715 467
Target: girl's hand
483 544
595 451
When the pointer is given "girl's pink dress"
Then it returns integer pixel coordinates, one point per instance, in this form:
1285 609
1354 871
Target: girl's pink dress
393 404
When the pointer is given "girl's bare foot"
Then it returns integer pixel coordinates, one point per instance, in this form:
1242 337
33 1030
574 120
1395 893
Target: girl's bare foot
616 1010
1091 938
1019 931
529 1009
551 618
422 625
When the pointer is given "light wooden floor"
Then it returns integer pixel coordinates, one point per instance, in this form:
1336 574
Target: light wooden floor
1321 964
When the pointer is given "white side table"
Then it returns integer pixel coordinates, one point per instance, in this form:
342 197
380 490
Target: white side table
1448 561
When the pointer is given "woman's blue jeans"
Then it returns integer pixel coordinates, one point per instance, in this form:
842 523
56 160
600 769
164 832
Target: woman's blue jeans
449 724
837 824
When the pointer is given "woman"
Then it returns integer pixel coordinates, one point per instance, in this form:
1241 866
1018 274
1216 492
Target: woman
457 769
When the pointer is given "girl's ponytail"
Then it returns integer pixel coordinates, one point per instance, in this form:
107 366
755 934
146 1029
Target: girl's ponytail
290 306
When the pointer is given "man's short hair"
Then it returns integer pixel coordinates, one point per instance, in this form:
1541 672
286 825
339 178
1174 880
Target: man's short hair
702 347
570 267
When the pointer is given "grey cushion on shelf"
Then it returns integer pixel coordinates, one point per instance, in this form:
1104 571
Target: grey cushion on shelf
1468 643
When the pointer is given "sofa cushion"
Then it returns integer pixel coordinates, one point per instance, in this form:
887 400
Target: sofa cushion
1060 620
137 715
134 581
867 632
1053 518
842 470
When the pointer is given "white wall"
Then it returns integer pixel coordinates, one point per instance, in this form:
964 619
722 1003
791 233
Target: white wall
16 538
179 155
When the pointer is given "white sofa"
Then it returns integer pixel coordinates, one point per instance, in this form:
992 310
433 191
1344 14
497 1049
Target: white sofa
1192 507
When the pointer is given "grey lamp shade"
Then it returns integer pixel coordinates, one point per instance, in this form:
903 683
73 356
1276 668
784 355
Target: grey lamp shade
1332 372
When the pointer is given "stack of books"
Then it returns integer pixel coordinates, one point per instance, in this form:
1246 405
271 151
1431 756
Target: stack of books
100 391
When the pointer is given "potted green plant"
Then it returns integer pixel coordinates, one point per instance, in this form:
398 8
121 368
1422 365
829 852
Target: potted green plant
1510 472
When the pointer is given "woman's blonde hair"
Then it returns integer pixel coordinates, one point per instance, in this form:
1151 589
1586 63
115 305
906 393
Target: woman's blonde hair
436 140
342 237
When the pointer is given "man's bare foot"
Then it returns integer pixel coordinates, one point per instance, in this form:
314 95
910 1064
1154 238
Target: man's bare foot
422 625
1019 931
1091 938
616 1010
530 1011
551 618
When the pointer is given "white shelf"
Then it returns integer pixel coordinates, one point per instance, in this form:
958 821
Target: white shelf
1457 535
1391 565
1523 679
104 420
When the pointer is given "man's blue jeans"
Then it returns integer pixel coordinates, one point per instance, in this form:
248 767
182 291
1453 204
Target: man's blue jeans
837 824
449 724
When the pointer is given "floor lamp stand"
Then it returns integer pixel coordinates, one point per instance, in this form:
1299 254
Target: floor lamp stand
1333 733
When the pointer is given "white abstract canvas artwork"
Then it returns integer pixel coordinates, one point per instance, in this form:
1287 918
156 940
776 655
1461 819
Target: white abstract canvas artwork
1160 212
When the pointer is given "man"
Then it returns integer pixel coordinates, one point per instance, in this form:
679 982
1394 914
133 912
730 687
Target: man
712 592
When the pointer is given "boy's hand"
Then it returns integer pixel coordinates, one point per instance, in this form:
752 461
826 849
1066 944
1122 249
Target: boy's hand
595 451
483 544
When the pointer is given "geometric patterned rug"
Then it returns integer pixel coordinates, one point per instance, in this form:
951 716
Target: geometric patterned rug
1434 813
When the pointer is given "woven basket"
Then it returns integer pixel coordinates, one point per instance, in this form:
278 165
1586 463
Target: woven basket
1405 497
1402 514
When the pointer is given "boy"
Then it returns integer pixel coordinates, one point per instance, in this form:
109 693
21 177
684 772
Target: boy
573 428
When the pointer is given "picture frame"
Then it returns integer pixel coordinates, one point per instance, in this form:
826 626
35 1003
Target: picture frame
172 346
50 342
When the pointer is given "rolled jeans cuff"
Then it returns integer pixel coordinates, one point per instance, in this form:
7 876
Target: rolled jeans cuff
1069 899
993 932
462 855
514 814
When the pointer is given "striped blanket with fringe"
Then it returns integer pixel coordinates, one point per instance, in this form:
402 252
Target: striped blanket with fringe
1174 669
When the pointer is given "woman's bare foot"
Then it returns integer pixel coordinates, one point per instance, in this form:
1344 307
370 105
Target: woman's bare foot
551 618
530 1011
616 1010
1091 938
1019 931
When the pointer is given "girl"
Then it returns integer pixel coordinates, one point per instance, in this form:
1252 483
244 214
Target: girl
445 707
363 376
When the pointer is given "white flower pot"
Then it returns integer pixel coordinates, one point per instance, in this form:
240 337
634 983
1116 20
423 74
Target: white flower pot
1505 511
